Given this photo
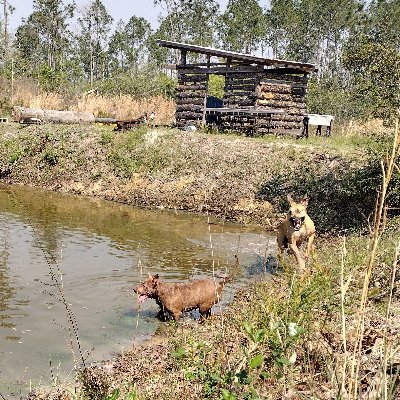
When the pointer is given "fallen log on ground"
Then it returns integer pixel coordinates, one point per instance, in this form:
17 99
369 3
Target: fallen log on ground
38 115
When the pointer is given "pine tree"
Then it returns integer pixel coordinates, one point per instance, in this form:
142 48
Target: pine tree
5 35
95 23
43 41
188 21
129 45
242 26
372 60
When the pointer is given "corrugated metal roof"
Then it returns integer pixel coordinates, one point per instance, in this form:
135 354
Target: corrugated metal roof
277 63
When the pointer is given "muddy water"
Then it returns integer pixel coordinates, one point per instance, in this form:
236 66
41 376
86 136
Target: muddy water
61 253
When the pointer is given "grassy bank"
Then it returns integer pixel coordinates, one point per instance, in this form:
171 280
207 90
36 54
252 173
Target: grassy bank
290 337
239 178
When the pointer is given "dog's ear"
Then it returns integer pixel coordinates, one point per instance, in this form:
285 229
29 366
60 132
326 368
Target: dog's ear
156 280
153 277
304 201
290 199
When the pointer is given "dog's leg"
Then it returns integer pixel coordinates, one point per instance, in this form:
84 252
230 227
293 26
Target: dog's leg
310 246
176 314
279 254
281 246
163 315
296 251
204 314
282 242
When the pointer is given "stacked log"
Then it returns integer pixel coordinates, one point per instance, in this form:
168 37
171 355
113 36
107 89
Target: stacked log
286 93
239 92
191 94
267 91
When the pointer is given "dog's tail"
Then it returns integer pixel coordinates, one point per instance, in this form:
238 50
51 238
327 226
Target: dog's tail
232 276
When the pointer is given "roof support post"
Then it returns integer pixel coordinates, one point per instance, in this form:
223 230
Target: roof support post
183 57
203 120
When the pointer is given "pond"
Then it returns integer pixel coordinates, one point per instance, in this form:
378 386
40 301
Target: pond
67 268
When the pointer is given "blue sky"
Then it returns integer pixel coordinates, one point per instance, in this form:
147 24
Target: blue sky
118 9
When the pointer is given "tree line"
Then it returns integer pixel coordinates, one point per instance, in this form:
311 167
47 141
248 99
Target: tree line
354 43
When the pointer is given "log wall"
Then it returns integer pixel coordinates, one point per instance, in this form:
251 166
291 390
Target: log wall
253 89
269 91
191 94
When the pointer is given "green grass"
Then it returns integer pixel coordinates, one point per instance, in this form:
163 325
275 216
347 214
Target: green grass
130 152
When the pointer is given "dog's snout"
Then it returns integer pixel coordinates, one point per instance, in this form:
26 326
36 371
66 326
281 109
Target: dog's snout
137 289
297 222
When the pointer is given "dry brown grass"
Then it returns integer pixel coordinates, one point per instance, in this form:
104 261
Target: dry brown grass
358 128
47 101
126 107
26 93
22 92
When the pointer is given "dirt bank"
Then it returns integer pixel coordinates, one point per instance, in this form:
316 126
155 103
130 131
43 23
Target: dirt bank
239 178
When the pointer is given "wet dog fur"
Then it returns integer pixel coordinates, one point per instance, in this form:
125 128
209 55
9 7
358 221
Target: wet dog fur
175 298
295 229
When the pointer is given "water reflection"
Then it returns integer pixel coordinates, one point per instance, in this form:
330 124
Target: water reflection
98 251
6 287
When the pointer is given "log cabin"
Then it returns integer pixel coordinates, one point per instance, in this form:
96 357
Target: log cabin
261 95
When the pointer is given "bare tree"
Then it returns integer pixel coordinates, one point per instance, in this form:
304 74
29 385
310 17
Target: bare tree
7 9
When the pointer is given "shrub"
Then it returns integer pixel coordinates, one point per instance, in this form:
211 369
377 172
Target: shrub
50 157
141 84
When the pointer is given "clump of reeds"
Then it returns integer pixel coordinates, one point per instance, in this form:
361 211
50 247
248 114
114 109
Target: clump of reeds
389 166
126 107
353 128
47 101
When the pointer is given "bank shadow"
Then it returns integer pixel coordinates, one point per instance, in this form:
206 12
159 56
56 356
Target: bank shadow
264 266
338 202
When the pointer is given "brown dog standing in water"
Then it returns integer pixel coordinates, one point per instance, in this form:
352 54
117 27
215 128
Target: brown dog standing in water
175 298
296 229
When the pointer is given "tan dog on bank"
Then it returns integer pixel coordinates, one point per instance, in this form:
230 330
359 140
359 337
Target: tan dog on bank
296 229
